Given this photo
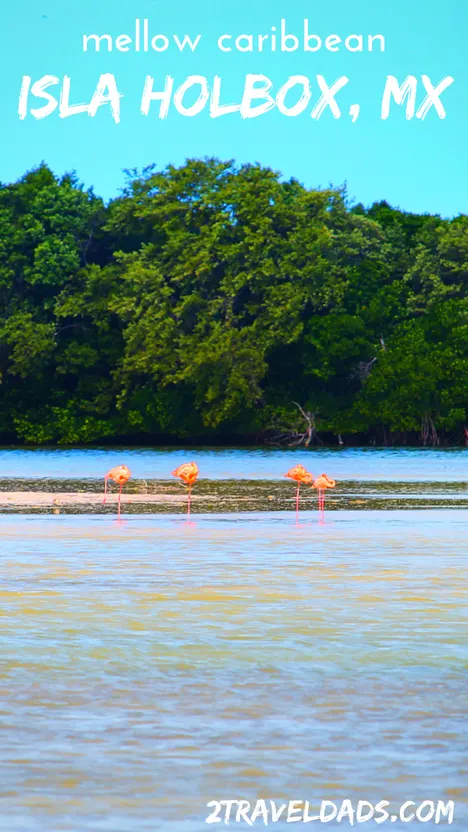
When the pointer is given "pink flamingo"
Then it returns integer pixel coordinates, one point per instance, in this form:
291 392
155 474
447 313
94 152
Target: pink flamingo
321 484
120 474
302 477
188 473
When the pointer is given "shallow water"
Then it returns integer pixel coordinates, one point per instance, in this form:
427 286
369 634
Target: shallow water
151 666
375 464
145 496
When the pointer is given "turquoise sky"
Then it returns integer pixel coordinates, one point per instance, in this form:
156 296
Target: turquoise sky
417 165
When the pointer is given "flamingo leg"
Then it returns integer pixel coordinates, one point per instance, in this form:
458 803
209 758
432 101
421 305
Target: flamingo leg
297 501
118 502
321 504
188 501
105 491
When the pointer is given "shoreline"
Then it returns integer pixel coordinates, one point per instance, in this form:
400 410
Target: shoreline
270 500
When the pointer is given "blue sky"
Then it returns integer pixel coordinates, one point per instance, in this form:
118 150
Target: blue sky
417 165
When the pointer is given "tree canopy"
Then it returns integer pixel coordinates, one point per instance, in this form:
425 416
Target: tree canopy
217 302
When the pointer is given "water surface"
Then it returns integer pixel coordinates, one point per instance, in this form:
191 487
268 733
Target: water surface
375 464
151 666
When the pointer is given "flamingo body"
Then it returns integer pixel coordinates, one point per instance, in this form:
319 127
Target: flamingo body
323 482
300 474
188 472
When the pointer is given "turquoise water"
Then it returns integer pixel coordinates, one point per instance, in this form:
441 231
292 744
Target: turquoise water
151 666
376 464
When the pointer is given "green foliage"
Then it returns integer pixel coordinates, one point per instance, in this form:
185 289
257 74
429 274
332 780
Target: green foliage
208 299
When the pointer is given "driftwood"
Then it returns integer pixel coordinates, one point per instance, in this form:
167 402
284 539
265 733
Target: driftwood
294 438
364 367
428 431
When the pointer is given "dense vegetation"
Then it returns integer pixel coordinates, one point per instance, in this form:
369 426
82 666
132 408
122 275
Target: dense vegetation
218 303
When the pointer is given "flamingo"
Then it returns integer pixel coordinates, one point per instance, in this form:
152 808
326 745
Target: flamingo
120 474
188 473
302 477
321 484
